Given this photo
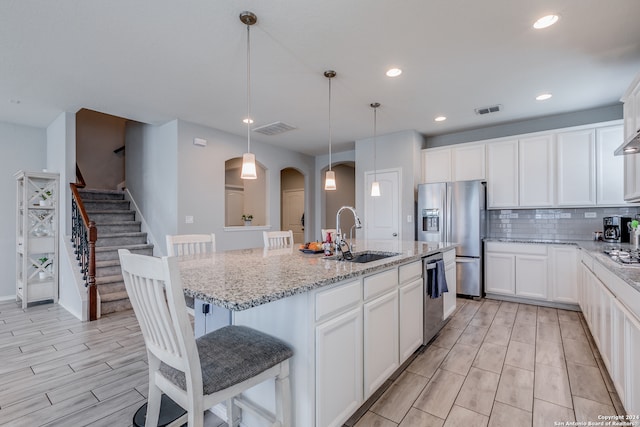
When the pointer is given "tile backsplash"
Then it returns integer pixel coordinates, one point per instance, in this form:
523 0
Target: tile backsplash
551 224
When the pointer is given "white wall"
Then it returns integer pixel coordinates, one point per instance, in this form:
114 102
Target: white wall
22 148
396 150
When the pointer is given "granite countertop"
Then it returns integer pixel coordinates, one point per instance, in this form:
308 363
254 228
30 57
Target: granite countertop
630 274
246 278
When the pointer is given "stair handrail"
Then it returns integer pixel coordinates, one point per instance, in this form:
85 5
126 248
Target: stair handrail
79 178
84 235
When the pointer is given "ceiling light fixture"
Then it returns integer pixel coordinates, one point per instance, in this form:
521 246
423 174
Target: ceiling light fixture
330 177
248 158
249 121
440 119
394 72
375 185
545 21
543 97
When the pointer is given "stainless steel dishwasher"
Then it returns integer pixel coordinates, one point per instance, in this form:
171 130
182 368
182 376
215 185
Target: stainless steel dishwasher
433 307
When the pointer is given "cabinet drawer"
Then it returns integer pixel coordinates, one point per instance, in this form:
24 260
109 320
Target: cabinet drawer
449 257
338 299
380 283
409 272
516 248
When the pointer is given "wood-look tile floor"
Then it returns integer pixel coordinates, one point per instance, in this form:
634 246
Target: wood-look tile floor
501 364
58 371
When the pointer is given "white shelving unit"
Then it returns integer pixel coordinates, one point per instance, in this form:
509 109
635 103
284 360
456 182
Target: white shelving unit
37 221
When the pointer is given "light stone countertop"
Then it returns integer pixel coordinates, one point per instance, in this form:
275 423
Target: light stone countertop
630 274
241 279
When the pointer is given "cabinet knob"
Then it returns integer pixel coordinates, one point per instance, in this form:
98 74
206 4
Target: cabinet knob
395 234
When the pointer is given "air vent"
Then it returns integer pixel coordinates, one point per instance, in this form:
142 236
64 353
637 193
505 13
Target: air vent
274 128
488 110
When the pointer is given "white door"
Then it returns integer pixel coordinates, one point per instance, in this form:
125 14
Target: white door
292 211
234 202
381 219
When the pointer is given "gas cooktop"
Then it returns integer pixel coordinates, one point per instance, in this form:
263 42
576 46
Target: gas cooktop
625 257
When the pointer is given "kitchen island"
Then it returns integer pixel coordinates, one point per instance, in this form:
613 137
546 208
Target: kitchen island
350 325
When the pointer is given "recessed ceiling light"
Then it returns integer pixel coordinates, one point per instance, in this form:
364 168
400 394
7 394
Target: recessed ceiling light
247 120
543 96
545 21
394 72
440 119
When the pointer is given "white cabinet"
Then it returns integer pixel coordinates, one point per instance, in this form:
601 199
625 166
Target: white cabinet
576 168
37 236
531 276
500 273
381 350
631 113
631 177
411 298
436 165
631 366
468 162
610 168
450 271
536 171
502 174
563 278
338 368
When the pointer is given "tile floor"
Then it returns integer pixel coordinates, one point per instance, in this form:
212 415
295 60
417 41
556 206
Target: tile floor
501 364
497 364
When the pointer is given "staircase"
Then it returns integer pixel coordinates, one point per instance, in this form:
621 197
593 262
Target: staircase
117 229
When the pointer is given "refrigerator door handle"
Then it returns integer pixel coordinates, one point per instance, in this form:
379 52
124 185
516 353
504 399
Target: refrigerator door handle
466 259
447 211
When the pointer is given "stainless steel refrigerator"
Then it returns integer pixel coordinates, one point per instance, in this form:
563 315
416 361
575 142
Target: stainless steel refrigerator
456 212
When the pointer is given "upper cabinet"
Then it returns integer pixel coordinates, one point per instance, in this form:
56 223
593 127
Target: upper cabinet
631 113
571 167
502 176
463 162
536 177
576 168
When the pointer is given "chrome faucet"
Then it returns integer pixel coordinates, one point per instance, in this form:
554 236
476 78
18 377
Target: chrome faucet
340 240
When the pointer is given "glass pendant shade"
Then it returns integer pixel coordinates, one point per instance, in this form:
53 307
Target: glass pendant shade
330 181
375 189
248 166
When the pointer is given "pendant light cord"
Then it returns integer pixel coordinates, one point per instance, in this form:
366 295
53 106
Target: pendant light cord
330 130
375 134
248 88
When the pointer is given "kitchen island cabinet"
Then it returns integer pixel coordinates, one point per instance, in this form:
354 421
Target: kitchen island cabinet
343 320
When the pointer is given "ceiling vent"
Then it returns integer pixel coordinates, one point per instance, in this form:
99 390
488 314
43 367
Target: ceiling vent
274 128
487 110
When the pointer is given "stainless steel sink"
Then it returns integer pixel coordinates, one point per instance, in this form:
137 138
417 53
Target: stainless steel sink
364 257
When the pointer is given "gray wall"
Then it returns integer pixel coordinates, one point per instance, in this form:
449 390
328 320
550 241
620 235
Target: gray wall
344 195
23 148
170 178
152 177
396 150
576 118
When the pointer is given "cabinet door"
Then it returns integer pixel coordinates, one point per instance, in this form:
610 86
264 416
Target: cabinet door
411 321
502 174
381 342
531 276
610 182
500 273
628 112
469 162
536 171
449 298
338 368
576 168
436 165
635 129
617 348
632 367
563 262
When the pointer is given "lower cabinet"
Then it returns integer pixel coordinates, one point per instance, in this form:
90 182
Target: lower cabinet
411 318
615 330
381 343
563 277
500 273
531 276
338 368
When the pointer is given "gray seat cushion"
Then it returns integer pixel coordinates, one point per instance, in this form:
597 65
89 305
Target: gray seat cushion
231 355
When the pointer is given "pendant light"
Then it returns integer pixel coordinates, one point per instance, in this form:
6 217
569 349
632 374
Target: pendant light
248 158
375 185
330 177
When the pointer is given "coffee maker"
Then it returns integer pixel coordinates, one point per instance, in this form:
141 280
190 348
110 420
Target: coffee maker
616 229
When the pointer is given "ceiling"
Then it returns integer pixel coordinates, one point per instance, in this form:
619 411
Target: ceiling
158 60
